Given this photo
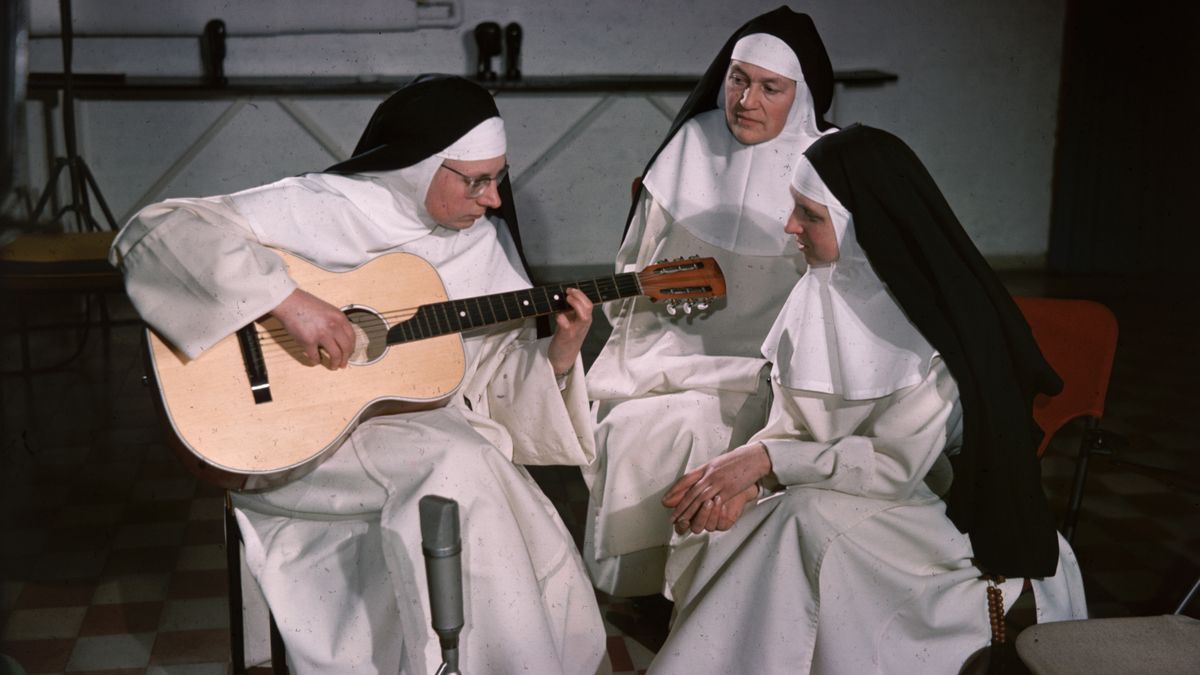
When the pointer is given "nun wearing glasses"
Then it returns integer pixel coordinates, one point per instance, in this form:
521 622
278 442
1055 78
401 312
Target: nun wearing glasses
337 553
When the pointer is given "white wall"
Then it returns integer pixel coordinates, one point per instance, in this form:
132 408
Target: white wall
976 98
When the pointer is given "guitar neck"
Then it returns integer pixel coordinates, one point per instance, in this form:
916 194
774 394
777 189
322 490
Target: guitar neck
456 316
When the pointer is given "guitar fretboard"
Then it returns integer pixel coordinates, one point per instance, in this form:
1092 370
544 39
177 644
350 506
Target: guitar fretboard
455 316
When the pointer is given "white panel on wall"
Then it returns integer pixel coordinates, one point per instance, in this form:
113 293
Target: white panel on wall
574 202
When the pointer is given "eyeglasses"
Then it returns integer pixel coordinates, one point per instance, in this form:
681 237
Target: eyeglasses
477 184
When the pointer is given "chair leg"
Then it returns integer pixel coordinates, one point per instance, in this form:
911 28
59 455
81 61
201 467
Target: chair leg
1090 436
233 561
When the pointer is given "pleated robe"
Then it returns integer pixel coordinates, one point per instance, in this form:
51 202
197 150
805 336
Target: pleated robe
850 564
670 393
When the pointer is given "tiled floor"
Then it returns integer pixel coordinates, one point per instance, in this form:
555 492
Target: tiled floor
113 555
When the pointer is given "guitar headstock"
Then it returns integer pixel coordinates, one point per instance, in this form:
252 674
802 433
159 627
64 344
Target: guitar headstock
691 281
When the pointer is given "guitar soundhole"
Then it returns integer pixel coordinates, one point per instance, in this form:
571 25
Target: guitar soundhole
371 331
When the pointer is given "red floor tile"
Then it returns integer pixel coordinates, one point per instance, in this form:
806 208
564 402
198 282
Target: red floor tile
112 671
39 656
129 617
618 654
194 584
38 595
136 560
190 646
205 532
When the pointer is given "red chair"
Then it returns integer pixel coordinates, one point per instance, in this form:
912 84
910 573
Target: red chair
1079 339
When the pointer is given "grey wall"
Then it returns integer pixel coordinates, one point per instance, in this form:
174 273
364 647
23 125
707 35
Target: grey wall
976 98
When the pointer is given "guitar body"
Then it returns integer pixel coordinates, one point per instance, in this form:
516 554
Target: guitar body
228 438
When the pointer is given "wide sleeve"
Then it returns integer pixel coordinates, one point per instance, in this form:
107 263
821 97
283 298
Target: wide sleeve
195 271
881 448
548 425
514 400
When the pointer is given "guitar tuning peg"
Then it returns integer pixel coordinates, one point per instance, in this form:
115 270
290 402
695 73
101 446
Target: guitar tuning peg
702 304
687 306
672 307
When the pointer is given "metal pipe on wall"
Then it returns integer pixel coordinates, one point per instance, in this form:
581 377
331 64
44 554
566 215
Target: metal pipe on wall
175 18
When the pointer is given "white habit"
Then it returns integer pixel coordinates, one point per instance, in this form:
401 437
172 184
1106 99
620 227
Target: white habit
338 552
672 392
852 565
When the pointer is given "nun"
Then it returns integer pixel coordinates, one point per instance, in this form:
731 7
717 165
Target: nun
890 511
673 389
337 553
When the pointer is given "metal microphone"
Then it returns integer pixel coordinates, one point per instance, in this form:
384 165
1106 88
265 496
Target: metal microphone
442 545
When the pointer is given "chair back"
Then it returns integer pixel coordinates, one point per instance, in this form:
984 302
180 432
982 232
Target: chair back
1079 339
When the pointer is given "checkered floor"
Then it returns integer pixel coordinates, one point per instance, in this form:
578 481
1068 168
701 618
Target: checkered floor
113 555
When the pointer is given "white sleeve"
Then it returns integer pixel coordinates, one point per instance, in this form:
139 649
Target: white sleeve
547 425
881 448
195 271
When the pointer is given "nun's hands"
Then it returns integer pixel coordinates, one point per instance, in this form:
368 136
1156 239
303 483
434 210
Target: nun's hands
572 328
319 329
712 496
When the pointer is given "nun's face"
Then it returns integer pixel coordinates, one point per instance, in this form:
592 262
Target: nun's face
449 201
813 228
757 102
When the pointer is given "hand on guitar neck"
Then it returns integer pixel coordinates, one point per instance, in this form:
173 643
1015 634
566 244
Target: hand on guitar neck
322 331
573 327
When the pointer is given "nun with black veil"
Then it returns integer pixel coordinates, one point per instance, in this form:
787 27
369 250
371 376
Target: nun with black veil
899 507
337 553
673 390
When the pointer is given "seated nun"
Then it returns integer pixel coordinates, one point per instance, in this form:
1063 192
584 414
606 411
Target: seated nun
672 390
337 552
887 515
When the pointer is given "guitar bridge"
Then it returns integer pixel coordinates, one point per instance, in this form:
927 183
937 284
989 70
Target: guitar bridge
256 368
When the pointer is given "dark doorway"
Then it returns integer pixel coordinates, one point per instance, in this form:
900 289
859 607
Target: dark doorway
1127 163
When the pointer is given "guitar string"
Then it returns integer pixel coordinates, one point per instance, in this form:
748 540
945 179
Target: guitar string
282 342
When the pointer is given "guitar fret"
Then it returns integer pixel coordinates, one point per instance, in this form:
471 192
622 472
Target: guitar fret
511 307
426 328
595 295
525 298
495 306
441 317
474 315
449 310
489 306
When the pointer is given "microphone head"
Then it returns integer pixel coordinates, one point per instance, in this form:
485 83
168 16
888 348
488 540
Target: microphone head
439 525
443 567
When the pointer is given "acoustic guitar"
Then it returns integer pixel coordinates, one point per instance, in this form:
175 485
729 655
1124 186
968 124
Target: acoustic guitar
250 413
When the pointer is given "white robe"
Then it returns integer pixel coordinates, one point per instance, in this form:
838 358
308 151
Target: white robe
337 553
670 393
852 566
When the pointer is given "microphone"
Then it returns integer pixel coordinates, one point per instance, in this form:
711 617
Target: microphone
442 546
